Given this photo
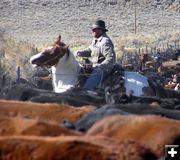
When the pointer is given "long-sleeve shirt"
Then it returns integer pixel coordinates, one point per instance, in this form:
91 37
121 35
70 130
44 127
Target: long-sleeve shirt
101 52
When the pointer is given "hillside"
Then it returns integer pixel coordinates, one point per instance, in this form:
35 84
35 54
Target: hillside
39 21
27 25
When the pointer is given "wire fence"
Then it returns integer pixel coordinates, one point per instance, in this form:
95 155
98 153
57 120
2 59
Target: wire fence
167 51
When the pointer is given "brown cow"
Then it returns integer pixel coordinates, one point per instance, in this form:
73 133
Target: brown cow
47 111
20 126
152 131
153 65
71 148
171 65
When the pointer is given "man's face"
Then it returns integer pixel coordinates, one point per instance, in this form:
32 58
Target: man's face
96 33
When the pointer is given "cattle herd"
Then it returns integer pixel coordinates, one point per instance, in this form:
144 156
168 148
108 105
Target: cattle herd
36 123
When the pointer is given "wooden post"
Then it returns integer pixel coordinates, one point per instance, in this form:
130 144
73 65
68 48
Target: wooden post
18 74
175 44
142 50
155 48
135 12
139 51
146 49
163 47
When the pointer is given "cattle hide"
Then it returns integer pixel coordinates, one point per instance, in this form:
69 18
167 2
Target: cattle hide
139 108
152 131
71 148
10 126
84 123
172 93
47 111
75 97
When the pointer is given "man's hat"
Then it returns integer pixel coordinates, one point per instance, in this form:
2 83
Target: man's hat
99 24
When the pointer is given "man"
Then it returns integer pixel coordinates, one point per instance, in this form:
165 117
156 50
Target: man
103 55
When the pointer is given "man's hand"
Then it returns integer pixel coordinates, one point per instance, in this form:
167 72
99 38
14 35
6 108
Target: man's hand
76 54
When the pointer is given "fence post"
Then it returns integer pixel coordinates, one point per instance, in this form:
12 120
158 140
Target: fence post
155 48
175 44
151 50
139 51
18 74
146 49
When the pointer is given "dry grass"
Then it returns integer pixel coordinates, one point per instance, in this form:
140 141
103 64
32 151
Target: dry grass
15 53
41 21
132 43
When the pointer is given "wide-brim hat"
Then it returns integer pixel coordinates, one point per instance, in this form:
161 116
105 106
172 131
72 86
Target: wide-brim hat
99 24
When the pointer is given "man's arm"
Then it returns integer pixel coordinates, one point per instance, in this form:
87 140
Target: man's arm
84 53
108 52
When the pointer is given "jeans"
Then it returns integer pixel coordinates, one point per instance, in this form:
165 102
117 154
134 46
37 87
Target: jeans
94 79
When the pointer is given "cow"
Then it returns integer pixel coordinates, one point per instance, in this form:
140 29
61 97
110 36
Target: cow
150 130
47 111
72 147
86 121
13 126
